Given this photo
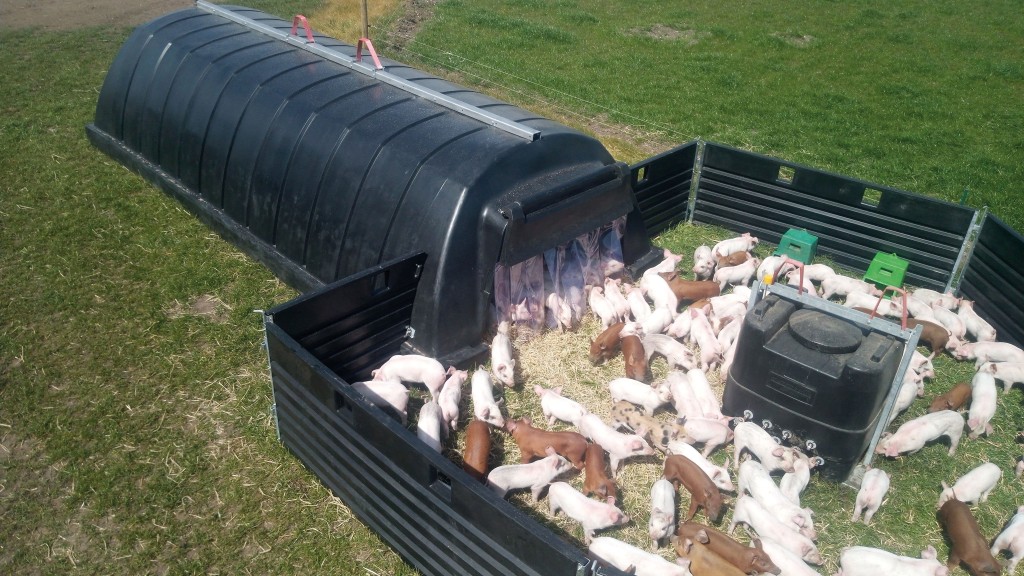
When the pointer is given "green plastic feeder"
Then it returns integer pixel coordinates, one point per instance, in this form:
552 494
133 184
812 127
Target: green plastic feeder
886 270
798 245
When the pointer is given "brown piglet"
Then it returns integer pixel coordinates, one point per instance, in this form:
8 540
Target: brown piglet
597 480
635 358
967 545
953 399
534 442
748 560
933 335
704 561
703 492
734 259
606 345
478 448
691 290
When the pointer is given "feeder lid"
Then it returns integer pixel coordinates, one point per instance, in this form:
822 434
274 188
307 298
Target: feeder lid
824 332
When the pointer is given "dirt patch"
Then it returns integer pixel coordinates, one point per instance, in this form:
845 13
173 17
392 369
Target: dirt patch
69 14
414 14
688 36
205 306
793 39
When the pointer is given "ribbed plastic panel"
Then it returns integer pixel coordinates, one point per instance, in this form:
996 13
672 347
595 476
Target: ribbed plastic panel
438 518
322 167
661 185
353 326
852 219
994 281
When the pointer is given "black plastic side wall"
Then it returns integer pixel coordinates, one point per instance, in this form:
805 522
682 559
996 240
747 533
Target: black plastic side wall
994 281
852 219
431 512
661 185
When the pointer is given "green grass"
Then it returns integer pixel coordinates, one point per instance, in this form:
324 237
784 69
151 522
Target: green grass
134 427
922 96
135 435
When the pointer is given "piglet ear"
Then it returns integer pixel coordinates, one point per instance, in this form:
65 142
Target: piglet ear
702 536
757 543
636 444
778 452
945 486
929 553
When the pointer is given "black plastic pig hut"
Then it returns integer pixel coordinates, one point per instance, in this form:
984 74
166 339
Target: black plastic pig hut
323 166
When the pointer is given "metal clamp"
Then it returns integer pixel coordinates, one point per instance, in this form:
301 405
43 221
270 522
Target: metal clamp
799 266
903 316
373 53
305 24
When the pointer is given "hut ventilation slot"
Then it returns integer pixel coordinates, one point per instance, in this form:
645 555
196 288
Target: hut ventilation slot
434 96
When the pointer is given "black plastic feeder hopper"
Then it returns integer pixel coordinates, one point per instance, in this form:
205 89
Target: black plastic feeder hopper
817 374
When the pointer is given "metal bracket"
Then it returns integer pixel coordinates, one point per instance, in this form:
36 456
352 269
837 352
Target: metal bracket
268 319
295 27
698 166
963 259
373 53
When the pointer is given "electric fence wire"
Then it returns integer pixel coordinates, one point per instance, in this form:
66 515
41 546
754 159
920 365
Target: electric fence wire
457 63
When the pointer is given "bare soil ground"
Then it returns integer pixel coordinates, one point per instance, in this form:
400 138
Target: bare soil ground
69 14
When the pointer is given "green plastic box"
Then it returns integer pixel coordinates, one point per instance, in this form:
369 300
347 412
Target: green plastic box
799 245
886 270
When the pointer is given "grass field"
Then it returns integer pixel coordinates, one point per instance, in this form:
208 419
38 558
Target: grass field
135 435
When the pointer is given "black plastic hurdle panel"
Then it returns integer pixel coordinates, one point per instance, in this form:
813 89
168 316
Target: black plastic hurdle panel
661 185
852 219
428 509
992 278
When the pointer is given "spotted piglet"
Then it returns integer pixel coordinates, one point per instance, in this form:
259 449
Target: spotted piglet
658 433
